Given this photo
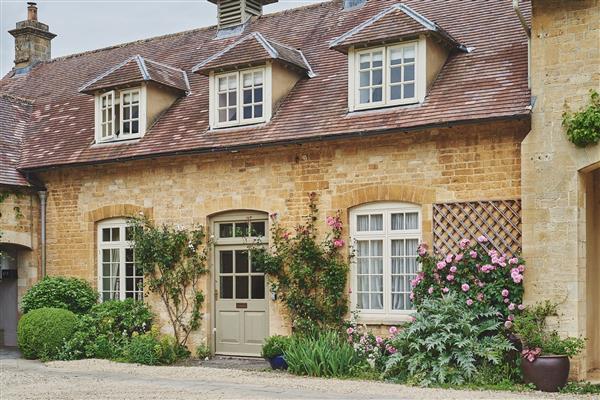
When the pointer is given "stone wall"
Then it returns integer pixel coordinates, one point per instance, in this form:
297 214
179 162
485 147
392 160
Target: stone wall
471 162
19 225
565 66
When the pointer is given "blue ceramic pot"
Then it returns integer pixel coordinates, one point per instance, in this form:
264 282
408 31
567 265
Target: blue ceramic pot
278 362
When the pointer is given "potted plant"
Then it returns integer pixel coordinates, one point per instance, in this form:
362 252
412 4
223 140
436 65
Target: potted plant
545 355
273 350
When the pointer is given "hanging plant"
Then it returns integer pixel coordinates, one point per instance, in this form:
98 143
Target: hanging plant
583 127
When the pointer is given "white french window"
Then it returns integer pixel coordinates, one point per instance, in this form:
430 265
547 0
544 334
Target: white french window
386 236
119 277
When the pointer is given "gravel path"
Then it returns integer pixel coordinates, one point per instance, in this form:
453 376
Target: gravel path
101 379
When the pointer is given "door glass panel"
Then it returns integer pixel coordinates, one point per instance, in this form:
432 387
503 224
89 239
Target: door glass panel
258 229
226 291
258 287
241 261
254 267
241 287
225 230
226 262
241 229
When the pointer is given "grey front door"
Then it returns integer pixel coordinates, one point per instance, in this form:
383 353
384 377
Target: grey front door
241 305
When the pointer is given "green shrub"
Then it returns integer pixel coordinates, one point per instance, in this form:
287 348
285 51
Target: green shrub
324 355
583 127
42 332
106 330
446 344
72 294
275 346
151 349
203 352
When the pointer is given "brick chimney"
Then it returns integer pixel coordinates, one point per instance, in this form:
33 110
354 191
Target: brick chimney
32 41
232 13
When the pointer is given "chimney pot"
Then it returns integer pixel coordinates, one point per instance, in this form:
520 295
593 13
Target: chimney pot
32 11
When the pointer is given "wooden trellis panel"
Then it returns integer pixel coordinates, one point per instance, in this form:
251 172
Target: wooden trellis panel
498 220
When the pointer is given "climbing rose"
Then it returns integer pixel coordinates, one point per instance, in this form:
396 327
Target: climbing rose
458 257
473 254
464 243
338 243
521 307
453 269
445 290
511 306
430 290
482 239
469 302
422 250
450 277
508 324
504 292
378 339
449 258
393 330
441 265
465 287
513 261
350 331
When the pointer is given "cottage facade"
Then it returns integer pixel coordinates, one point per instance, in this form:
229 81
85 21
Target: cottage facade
411 118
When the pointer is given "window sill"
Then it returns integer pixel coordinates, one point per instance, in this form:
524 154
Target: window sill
381 109
117 141
251 125
384 319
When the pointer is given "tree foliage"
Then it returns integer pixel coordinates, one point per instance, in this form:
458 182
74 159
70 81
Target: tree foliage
583 127
173 260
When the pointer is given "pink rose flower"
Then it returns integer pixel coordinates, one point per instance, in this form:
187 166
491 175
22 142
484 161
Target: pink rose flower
350 331
521 268
465 287
453 269
441 265
412 296
464 243
422 249
450 277
480 296
508 324
458 257
511 317
473 254
511 306
505 292
393 330
469 302
430 290
390 349
338 243
330 221
449 258
521 307
506 301
445 290
513 261
378 339
482 239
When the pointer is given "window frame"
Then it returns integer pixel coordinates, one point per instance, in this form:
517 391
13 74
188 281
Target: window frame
122 246
386 314
122 93
117 98
354 75
240 121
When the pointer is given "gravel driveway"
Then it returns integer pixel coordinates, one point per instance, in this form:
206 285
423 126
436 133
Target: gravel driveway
101 379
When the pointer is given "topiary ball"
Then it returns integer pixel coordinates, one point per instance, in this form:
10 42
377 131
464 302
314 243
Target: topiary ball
60 292
41 333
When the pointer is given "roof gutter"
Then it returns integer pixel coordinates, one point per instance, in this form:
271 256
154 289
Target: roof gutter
320 138
527 29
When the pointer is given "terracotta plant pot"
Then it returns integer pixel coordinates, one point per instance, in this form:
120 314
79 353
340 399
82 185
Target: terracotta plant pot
548 373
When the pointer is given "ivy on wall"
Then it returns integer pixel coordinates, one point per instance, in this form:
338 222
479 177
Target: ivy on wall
583 126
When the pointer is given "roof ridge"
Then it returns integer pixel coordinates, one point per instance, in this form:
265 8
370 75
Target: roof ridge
141 62
110 71
311 72
185 77
181 33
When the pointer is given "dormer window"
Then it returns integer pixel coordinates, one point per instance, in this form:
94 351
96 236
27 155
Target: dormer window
132 95
120 115
242 77
240 97
385 76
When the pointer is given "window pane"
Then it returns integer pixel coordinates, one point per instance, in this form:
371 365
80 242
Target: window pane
126 128
232 114
376 301
377 222
226 262
258 95
395 75
412 221
258 78
377 77
222 115
222 100
397 248
233 98
106 234
377 266
409 91
377 95
247 96
363 301
258 111
365 78
395 56
247 79
241 261
409 54
396 92
397 265
222 84
232 82
365 96
365 61
362 223
258 287
363 265
241 229
248 112
116 234
409 72
241 287
258 229
377 59
135 127
226 291
225 230
397 222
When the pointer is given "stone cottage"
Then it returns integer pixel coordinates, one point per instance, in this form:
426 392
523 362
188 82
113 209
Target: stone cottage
413 118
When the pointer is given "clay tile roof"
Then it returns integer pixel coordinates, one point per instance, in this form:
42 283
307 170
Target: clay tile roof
487 83
253 49
396 22
13 122
138 69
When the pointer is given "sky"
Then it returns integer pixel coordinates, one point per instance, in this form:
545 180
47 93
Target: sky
83 25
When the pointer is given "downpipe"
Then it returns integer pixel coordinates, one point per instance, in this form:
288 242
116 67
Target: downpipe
43 195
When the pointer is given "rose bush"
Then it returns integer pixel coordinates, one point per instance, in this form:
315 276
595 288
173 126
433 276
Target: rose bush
479 278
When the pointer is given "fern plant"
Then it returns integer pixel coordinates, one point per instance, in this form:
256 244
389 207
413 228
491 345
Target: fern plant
446 344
